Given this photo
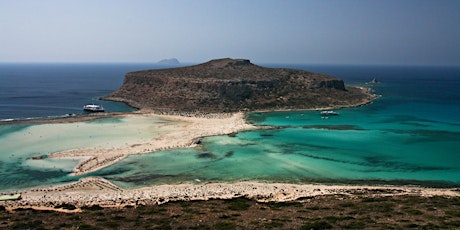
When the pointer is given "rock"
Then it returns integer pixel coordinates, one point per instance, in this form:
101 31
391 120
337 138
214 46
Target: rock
40 157
197 141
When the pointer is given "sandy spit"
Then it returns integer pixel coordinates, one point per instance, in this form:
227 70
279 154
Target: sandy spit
184 134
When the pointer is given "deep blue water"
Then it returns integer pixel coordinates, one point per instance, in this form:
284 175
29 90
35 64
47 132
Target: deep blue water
42 90
411 135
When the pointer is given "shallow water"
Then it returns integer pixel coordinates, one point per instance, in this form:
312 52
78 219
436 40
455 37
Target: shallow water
411 135
313 150
20 143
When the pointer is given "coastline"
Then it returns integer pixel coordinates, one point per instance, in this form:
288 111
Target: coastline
368 100
184 134
93 191
193 126
190 127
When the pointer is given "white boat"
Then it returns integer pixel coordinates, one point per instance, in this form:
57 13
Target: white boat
93 108
329 113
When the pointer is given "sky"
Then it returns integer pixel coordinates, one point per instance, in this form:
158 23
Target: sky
370 32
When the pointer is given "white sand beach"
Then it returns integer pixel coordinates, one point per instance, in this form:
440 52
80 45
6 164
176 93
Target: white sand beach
183 133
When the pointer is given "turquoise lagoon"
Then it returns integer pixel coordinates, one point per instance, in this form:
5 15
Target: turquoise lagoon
20 144
354 147
410 136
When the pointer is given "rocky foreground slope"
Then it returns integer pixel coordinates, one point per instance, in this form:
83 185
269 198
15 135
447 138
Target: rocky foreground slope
228 85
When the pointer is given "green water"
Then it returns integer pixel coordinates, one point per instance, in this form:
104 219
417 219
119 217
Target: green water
21 143
409 136
303 147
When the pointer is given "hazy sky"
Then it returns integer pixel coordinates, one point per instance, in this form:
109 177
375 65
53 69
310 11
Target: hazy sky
402 32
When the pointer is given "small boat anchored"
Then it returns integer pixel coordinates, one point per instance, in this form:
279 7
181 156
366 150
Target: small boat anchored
93 108
329 113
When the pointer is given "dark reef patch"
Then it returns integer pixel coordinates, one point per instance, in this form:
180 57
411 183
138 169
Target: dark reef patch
428 135
333 127
206 155
229 154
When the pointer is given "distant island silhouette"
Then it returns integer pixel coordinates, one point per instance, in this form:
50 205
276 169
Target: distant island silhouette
170 61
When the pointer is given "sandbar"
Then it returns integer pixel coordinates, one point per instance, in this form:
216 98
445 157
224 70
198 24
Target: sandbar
184 133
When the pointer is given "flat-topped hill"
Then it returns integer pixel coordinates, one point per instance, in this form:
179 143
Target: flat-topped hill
228 85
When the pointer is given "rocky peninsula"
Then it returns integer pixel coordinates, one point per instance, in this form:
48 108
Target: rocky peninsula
232 85
219 91
210 98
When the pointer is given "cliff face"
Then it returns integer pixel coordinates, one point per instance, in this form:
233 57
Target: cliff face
227 85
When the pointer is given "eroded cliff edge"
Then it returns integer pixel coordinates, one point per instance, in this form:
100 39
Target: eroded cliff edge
229 85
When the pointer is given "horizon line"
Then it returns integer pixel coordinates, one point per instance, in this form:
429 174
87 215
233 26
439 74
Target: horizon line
181 64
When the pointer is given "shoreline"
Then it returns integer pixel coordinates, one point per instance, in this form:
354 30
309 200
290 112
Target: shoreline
367 90
185 134
191 127
69 118
91 191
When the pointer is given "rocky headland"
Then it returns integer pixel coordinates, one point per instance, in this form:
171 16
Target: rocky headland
230 85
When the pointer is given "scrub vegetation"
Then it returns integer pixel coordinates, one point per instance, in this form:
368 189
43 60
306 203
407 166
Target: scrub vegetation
318 212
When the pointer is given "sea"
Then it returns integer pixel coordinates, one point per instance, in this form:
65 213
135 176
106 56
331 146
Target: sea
410 135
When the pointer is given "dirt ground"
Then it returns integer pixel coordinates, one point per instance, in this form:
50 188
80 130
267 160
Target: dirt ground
319 212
